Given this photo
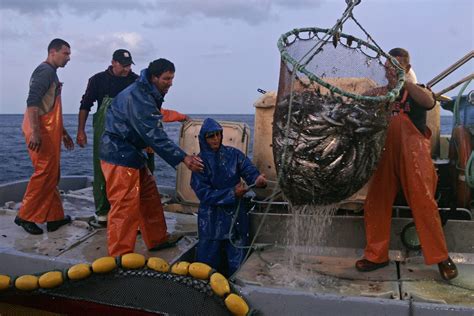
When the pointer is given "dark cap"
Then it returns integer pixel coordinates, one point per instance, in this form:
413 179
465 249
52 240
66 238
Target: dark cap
123 56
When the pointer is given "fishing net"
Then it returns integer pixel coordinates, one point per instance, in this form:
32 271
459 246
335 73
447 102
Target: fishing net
143 290
331 113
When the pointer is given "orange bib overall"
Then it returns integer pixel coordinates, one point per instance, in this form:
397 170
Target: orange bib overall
42 202
135 203
406 162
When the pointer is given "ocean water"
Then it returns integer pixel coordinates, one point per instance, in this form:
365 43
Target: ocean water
16 165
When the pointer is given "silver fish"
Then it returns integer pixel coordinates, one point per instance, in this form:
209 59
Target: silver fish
332 147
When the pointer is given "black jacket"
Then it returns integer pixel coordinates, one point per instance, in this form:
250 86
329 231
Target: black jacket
104 84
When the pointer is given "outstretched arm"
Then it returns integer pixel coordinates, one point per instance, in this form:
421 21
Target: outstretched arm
173 116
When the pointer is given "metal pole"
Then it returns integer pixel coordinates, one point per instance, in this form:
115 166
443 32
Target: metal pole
450 69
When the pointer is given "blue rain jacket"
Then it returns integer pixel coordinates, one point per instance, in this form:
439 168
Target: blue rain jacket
134 122
215 188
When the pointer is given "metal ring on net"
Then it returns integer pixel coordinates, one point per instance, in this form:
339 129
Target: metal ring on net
331 114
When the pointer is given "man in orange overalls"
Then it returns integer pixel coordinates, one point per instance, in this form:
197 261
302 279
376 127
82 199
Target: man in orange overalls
406 163
43 129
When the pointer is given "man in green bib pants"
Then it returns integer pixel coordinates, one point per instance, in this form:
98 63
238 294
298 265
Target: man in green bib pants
101 88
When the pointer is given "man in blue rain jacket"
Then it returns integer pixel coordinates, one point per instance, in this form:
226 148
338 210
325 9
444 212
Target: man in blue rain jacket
133 123
219 189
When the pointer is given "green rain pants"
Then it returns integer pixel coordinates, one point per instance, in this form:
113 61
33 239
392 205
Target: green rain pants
102 205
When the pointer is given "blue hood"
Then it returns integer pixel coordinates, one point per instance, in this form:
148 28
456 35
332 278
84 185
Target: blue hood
209 125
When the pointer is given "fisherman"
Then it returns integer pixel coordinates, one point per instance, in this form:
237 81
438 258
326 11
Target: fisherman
43 130
220 191
134 122
103 85
406 163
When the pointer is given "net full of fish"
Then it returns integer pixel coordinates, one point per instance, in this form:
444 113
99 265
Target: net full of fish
330 148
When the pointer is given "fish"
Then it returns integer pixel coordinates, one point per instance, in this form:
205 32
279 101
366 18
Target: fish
332 145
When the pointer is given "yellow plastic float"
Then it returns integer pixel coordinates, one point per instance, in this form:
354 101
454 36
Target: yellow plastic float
50 280
158 264
200 270
79 271
180 268
27 282
5 282
104 265
133 261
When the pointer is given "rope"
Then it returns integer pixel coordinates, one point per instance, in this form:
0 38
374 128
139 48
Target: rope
347 13
470 171
389 97
457 117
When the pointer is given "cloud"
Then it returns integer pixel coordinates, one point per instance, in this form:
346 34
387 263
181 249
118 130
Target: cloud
82 7
216 51
165 12
252 12
94 48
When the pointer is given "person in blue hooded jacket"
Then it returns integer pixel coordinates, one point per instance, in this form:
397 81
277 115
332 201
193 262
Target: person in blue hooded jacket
219 189
134 122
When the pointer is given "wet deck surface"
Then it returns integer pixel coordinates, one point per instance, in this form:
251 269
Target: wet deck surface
318 272
328 270
79 241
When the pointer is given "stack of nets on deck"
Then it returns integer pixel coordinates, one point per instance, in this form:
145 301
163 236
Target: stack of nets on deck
328 133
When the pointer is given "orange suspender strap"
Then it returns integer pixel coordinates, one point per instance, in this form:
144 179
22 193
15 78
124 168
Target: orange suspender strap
402 101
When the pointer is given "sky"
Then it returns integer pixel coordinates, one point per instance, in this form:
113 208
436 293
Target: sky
223 50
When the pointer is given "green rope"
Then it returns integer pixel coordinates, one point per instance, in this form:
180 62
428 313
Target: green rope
470 171
457 117
389 97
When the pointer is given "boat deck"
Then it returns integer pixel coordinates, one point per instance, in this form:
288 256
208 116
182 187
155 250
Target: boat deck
79 241
331 271
320 279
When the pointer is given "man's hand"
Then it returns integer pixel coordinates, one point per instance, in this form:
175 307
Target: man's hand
67 140
261 181
240 190
194 163
34 143
81 138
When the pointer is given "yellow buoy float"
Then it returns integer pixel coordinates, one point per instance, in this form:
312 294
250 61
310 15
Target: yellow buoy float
5 282
133 261
219 284
200 270
79 271
27 282
104 265
180 268
50 280
236 305
158 264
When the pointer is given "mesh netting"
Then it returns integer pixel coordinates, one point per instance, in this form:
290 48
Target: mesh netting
331 114
144 290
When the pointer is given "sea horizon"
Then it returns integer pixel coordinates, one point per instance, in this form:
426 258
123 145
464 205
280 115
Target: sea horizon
16 165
